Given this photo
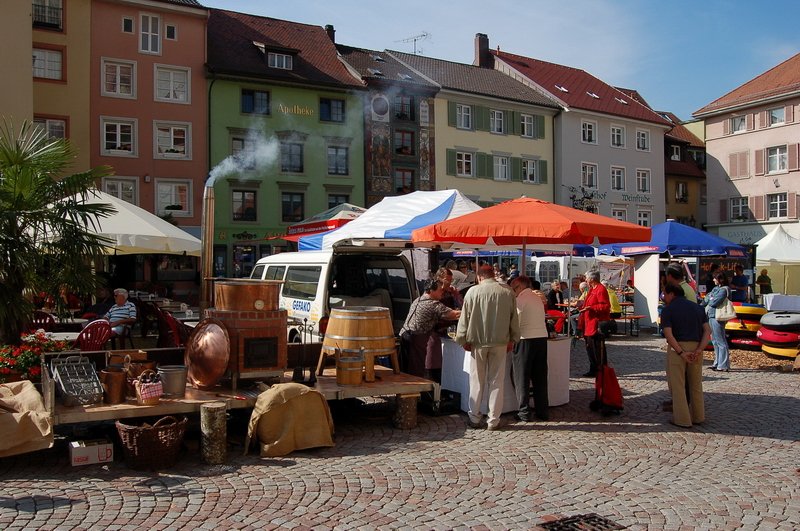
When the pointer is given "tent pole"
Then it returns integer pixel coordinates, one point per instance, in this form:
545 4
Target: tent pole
523 270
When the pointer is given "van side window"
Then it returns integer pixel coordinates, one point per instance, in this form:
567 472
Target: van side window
258 270
275 273
301 282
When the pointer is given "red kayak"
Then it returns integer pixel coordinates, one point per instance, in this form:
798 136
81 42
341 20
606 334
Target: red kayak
778 338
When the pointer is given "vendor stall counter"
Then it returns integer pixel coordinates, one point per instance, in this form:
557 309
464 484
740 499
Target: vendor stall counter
456 364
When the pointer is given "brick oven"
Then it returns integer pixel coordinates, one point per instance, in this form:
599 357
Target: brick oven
256 326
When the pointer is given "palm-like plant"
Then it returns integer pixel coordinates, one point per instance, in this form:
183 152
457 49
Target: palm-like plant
45 241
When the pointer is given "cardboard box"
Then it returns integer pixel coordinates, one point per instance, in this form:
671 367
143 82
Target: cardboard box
91 452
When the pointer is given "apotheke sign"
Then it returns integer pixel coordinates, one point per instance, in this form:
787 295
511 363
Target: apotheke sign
301 110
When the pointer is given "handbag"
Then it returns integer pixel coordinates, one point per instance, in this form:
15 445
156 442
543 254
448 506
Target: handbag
726 312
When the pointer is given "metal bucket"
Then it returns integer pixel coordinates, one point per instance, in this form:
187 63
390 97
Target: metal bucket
173 379
113 380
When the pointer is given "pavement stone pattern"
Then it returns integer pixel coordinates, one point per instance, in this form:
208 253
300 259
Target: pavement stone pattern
739 470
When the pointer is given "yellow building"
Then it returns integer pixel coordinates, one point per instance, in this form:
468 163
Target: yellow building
16 103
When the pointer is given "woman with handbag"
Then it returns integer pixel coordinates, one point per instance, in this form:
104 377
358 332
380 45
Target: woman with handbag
714 302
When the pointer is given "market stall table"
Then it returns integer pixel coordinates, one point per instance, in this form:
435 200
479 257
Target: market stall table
777 301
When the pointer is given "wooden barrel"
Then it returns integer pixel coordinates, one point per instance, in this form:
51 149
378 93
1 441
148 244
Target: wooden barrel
349 370
355 328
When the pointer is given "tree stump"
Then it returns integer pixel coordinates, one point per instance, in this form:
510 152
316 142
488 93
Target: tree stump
214 429
405 416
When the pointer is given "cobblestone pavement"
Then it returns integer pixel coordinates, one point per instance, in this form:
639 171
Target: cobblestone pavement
738 470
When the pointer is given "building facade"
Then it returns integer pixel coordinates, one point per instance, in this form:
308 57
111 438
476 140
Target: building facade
287 133
16 33
684 162
753 159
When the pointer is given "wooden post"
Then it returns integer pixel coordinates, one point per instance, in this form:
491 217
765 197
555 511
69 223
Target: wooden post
214 428
405 416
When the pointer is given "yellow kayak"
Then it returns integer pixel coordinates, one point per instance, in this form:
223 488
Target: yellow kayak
782 352
740 325
746 310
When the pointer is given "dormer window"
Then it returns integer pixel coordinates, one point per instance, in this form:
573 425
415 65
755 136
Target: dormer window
279 60
404 76
562 88
374 71
593 95
378 58
621 101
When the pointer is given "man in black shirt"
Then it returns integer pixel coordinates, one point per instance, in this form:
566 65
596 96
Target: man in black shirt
687 332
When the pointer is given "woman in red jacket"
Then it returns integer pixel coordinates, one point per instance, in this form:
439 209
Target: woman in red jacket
596 308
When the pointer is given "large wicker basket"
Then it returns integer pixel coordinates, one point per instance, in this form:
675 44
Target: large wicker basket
152 447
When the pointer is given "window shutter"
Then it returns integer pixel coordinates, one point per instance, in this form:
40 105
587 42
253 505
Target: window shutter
539 127
733 165
762 119
726 127
792 150
756 205
483 166
514 125
542 171
481 118
744 167
723 210
791 208
789 114
748 121
759 162
516 169
451 113
451 162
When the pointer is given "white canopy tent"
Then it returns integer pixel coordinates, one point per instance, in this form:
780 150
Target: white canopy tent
779 253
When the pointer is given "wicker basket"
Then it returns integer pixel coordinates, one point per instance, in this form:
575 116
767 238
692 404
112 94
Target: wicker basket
152 447
148 388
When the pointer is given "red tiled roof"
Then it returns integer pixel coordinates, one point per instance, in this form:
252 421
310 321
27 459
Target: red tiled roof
686 168
679 132
579 86
783 79
634 94
380 67
231 50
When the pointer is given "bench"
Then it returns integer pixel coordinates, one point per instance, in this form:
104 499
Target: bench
634 323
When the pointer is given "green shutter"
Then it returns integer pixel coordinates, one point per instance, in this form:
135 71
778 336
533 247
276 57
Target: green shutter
539 126
516 169
508 122
483 166
542 171
451 113
516 125
451 162
481 118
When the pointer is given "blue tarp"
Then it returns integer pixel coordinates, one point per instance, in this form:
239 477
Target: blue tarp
677 239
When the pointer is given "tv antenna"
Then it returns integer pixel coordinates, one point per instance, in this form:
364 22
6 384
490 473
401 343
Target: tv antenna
421 37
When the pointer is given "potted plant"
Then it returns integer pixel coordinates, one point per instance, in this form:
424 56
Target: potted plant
23 361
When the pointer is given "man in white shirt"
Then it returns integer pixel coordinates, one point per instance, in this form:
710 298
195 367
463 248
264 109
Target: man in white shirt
529 359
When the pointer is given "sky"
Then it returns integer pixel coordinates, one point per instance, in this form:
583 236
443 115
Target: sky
679 54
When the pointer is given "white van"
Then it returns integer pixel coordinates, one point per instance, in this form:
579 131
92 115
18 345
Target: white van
314 282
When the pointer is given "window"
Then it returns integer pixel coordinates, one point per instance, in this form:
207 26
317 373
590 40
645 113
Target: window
119 79
172 84
404 107
174 197
331 110
500 168
255 101
119 137
301 282
337 199
619 214
777 116
463 116
738 123
171 32
279 60
529 172
404 142
589 175
173 141
588 134
47 64
617 178
150 34
47 13
121 188
643 218
778 205
739 208
243 205
244 150
463 164
292 207
496 124
643 141
681 192
528 125
54 128
643 181
617 136
337 160
291 158
676 152
127 25
403 180
776 159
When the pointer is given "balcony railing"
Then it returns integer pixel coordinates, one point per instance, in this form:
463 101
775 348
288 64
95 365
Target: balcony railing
47 16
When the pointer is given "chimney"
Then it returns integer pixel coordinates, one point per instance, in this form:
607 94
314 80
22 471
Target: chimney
483 58
331 32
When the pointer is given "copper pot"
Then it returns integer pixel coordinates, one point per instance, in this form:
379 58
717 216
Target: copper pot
247 295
